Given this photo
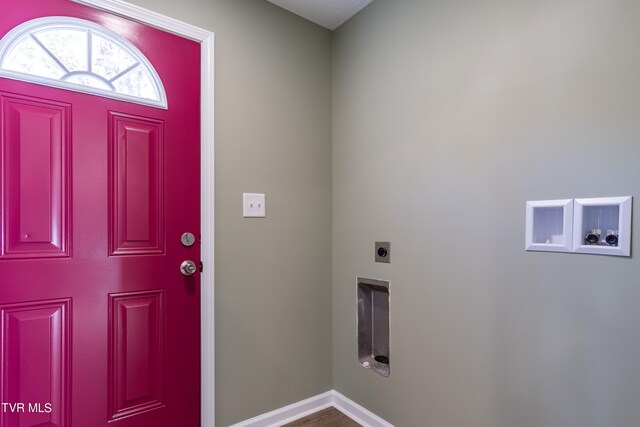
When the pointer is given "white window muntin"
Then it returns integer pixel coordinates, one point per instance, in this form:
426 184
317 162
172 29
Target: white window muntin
74 77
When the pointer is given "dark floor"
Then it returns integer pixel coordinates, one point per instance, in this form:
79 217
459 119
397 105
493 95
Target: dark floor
329 417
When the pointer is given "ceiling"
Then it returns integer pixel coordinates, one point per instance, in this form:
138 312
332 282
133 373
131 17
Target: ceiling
328 13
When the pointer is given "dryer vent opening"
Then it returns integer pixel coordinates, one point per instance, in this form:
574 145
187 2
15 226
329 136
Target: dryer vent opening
373 325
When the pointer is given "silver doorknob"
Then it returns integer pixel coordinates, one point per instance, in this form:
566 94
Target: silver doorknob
188 267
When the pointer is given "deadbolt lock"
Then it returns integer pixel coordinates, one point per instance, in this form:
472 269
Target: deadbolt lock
188 239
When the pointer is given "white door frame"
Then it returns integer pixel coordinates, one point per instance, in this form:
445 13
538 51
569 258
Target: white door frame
206 40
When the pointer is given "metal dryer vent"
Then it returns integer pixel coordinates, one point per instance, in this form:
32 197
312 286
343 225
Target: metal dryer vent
373 325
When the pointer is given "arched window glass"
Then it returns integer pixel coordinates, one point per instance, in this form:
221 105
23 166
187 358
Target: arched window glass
80 55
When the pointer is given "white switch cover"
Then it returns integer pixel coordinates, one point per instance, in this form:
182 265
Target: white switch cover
253 205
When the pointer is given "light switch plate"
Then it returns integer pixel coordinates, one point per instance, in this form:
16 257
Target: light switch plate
253 205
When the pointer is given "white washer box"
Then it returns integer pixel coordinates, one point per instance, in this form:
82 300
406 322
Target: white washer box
602 226
593 226
549 225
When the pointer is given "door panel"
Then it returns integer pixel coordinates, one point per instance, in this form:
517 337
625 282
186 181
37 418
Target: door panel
36 361
97 319
136 159
136 352
35 147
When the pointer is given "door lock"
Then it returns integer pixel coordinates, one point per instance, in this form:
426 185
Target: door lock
188 239
188 267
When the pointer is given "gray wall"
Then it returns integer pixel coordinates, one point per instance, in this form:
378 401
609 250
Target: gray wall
273 135
448 116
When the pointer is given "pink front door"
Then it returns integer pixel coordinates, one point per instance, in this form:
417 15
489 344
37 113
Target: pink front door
98 325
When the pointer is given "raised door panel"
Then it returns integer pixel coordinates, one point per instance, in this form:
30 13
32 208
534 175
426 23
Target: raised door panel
35 364
136 185
35 147
136 353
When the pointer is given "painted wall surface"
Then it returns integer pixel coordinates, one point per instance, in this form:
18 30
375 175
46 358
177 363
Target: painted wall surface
273 135
448 116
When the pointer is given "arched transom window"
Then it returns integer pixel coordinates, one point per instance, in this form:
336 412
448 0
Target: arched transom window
82 56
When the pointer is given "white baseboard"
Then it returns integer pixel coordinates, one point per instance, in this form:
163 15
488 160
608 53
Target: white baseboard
317 403
356 412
